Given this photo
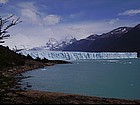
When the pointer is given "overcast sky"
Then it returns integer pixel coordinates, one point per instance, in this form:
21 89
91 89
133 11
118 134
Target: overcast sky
44 19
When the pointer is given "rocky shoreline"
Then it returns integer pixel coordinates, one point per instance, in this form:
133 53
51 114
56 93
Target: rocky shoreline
13 94
53 98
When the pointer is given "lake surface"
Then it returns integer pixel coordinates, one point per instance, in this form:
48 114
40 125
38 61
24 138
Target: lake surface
103 78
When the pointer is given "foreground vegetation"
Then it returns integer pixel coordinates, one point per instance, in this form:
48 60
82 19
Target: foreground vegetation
11 67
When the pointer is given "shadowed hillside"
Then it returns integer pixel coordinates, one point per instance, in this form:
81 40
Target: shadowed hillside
9 58
122 39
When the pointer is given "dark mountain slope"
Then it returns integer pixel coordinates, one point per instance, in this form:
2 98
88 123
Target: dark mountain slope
122 39
129 42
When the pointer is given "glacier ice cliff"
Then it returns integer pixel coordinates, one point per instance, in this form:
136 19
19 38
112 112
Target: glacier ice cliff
60 55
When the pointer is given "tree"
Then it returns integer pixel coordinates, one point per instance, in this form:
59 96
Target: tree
5 24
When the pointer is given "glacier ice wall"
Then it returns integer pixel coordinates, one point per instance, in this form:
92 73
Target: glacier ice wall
59 55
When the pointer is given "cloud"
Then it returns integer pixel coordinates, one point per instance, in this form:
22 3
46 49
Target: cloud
52 19
29 12
3 1
22 40
130 12
77 15
113 21
28 5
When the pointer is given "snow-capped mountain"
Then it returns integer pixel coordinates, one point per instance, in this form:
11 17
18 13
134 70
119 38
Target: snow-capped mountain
116 32
121 30
92 37
54 45
121 39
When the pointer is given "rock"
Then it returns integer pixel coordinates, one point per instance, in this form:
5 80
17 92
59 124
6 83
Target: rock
29 86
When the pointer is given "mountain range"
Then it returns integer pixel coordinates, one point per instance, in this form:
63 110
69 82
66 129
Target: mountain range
122 39
54 45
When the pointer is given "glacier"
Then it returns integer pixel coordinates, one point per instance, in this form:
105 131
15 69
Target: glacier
69 56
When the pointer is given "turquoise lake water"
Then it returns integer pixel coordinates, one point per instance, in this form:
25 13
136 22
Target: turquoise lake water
103 78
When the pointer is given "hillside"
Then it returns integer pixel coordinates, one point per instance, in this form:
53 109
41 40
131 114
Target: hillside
128 42
11 67
9 58
122 39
